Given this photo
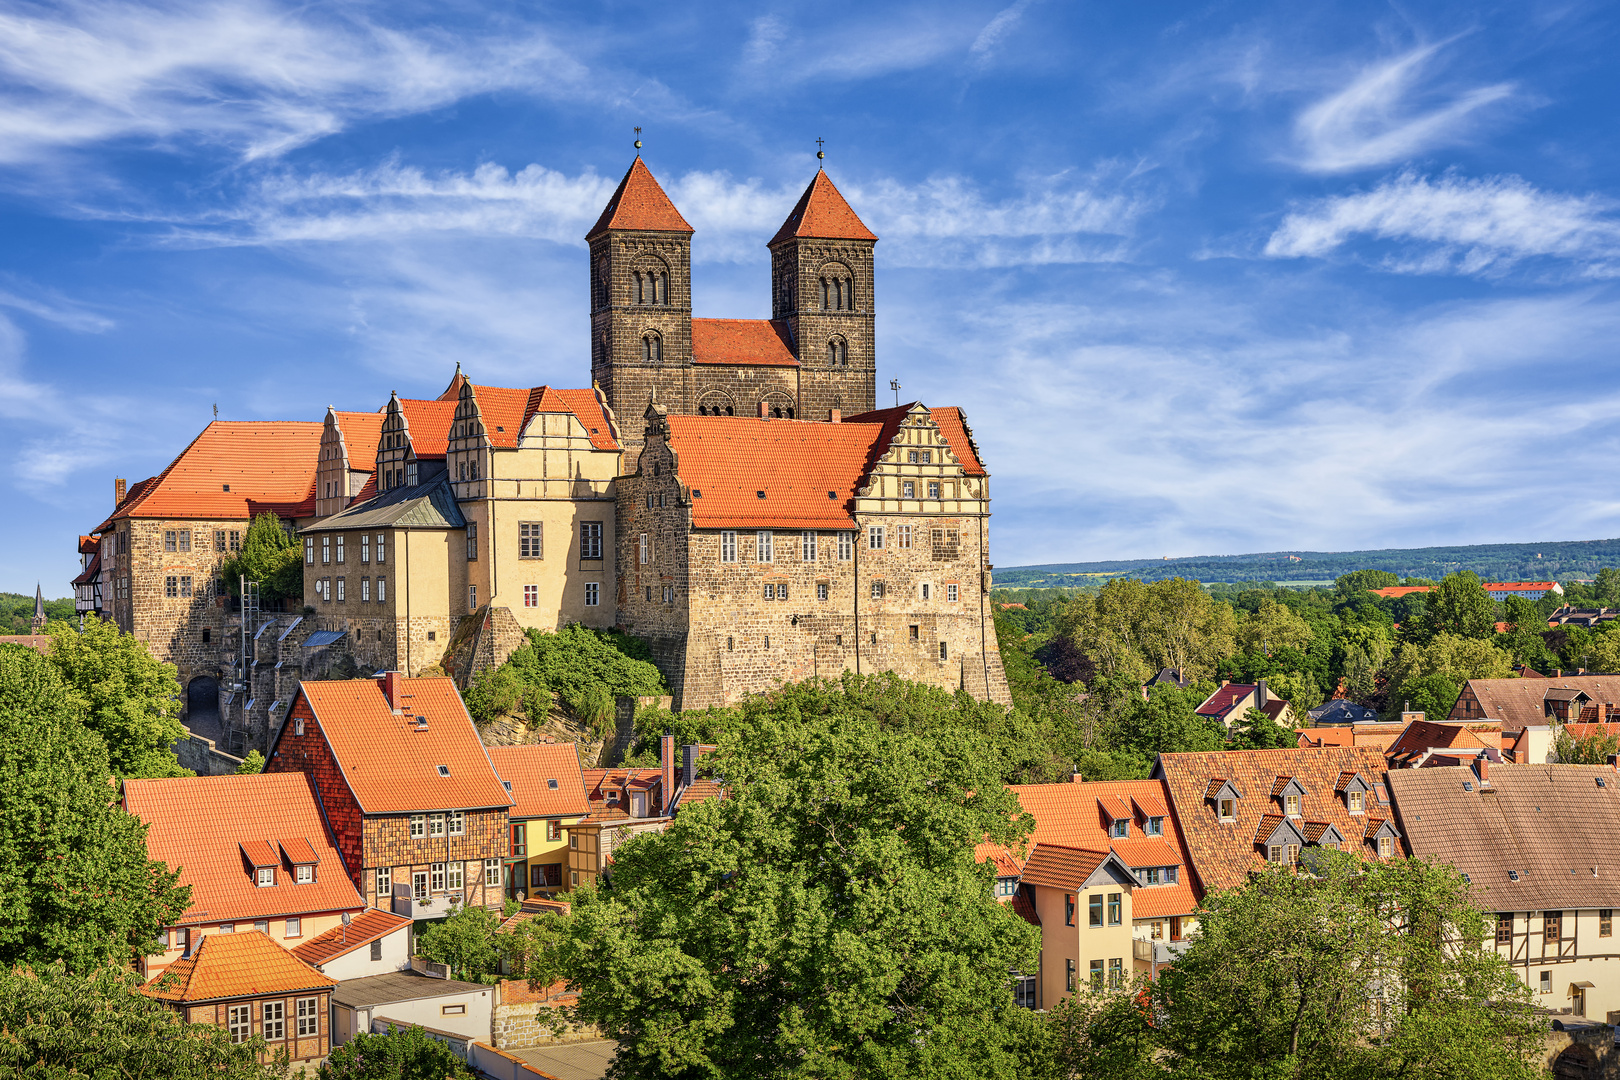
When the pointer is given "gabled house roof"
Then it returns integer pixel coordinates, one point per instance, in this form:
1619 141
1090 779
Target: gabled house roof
429 423
217 829
545 778
234 469
947 418
1517 703
639 203
392 762
239 965
507 411
822 212
1223 853
361 432
1551 825
1224 700
1059 866
366 927
1425 735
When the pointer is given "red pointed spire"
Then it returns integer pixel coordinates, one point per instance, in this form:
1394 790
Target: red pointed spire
822 213
641 204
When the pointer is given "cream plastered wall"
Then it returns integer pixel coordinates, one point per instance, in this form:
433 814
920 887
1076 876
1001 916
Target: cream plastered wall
1583 955
1082 942
555 478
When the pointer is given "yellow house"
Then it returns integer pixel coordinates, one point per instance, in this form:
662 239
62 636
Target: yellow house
1083 901
548 790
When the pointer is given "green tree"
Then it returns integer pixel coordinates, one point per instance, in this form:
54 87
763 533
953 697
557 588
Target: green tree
826 919
1356 582
1101 1035
1460 605
399 1054
465 941
1360 675
1257 731
269 556
1300 691
1433 695
1166 723
252 764
1606 586
495 692
1593 749
1273 627
76 885
59 1026
130 699
1352 970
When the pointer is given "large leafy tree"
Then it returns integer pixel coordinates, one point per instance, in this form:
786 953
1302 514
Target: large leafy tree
1350 586
59 1026
269 556
465 942
76 885
826 919
398 1054
1271 627
1355 969
1459 605
130 699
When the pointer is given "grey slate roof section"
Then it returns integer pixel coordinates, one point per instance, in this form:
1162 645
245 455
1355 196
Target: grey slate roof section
322 638
430 505
1339 711
399 986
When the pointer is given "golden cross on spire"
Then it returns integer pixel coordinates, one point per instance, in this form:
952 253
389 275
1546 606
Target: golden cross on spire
638 138
820 154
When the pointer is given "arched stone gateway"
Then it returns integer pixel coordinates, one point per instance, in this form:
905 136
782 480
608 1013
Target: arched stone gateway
201 714
1578 1062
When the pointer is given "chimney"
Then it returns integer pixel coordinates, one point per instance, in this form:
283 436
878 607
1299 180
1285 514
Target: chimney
1225 683
835 416
120 488
1075 779
689 756
1482 767
764 411
666 761
391 687
1261 694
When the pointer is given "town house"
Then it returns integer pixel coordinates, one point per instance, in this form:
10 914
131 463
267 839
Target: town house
548 793
256 853
416 807
1232 701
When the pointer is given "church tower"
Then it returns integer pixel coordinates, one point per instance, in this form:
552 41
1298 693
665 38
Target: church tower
641 301
822 288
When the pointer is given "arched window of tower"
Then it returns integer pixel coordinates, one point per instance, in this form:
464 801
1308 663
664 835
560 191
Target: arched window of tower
824 286
652 348
663 288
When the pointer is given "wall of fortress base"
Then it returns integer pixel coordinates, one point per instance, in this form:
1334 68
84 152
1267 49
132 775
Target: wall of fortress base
718 638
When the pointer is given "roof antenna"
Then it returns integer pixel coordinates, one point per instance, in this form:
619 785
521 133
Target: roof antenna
894 384
821 154
216 410
638 142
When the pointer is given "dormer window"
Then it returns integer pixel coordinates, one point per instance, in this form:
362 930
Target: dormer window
1121 827
552 784
266 876
1291 805
304 875
1226 809
1155 826
1353 799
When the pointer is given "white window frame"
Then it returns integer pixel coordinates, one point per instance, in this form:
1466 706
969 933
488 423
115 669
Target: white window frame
807 546
418 826
309 1017
294 927
309 551
382 589
455 877
365 548
265 876
240 1023
436 877
435 824
304 874
904 539
492 872
382 547
952 593
875 537
457 821
641 546
273 1020
385 883
531 596
764 546
728 546
339 546
846 546
326 549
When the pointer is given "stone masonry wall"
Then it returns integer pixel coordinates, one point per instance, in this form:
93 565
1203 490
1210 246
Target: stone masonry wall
797 267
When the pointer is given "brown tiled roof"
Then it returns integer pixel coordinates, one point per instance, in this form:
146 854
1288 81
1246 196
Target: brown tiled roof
366 927
1518 703
1224 700
532 770
1061 867
244 964
391 765
639 203
1223 853
1024 908
821 212
268 466
796 463
202 825
40 643
760 342
1421 735
1552 824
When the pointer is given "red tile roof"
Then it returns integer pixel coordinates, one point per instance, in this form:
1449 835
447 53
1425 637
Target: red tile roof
639 203
1525 585
1223 700
821 212
588 406
89 545
246 964
1024 908
391 765
90 571
361 433
532 770
1421 735
1059 866
429 423
202 825
368 926
947 418
761 342
268 465
506 412
796 463
1006 863
1401 590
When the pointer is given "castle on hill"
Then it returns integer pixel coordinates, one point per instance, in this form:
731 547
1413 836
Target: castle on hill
726 489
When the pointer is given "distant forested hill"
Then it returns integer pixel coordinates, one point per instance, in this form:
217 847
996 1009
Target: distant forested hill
17 611
1553 561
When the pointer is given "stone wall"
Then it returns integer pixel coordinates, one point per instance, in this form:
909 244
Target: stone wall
797 267
525 1017
1586 1052
204 758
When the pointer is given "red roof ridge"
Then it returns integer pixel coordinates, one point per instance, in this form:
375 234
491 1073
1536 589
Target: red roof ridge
639 203
822 213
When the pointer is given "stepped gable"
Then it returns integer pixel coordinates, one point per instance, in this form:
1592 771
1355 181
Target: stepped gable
947 418
243 964
639 204
822 213
809 472
233 469
507 411
760 342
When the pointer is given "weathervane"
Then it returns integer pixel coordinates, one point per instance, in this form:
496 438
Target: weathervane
894 384
638 138
820 154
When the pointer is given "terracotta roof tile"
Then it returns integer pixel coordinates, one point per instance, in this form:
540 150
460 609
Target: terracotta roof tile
821 212
429 423
1024 908
639 203
260 853
1519 703
1114 808
1224 700
40 643
532 770
1400 590
246 964
362 431
947 418
702 790
298 852
1223 853
89 545
202 824
796 463
390 764
588 406
368 926
1006 863
268 465
1421 735
760 342
1059 866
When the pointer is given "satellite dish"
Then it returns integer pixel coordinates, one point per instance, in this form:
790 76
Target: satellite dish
346 918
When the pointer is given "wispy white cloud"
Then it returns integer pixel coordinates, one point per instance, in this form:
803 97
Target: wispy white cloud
941 221
1384 116
989 40
249 74
1457 225
854 48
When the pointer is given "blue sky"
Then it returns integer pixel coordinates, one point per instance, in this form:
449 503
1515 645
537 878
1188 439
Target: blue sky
1207 278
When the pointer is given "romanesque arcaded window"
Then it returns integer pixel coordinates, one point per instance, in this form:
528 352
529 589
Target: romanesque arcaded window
652 349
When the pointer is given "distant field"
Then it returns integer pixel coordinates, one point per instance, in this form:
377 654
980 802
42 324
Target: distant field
1559 560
